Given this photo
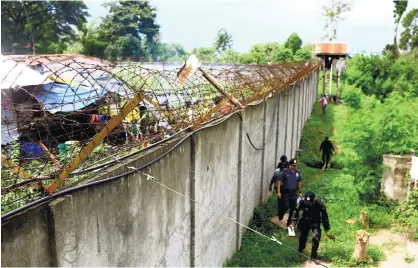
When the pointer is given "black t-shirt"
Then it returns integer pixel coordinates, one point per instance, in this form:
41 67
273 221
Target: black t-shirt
283 165
326 147
312 212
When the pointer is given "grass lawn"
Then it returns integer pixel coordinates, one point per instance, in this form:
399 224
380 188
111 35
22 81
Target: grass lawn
335 187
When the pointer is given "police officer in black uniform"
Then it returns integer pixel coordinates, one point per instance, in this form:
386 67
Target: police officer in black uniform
313 214
289 185
327 150
282 165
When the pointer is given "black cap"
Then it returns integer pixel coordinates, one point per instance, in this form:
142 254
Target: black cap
309 196
293 162
283 158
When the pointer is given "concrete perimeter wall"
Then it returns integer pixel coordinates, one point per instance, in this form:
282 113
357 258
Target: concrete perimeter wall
134 221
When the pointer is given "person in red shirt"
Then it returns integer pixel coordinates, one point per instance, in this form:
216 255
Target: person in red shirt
324 103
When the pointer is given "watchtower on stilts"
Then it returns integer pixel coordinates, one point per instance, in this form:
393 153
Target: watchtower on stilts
333 57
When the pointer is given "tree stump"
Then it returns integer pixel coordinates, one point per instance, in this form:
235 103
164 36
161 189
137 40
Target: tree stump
364 219
362 244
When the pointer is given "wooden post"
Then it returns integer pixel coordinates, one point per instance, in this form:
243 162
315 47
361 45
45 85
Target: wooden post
53 158
97 139
330 82
364 219
221 89
338 85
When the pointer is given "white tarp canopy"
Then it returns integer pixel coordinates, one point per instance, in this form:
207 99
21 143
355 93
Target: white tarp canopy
15 74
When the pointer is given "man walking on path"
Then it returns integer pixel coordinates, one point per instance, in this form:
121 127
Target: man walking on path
283 164
324 103
289 184
327 150
314 213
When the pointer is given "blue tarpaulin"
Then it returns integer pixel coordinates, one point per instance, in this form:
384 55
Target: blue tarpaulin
57 97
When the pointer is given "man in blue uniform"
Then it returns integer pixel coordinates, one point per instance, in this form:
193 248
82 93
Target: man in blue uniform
313 214
288 186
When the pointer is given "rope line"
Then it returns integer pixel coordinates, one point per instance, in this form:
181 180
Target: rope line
272 238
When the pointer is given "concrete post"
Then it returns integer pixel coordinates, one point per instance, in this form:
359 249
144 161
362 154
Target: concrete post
192 174
277 128
263 150
239 186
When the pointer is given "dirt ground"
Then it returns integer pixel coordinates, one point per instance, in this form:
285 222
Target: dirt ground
400 251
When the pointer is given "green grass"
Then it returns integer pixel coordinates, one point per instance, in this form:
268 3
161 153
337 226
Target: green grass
336 188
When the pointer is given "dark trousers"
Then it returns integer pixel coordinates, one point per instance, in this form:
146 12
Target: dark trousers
288 201
324 109
316 237
325 158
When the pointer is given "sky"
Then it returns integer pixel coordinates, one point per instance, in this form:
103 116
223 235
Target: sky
368 27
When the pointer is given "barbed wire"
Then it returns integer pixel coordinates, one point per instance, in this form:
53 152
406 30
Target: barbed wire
49 116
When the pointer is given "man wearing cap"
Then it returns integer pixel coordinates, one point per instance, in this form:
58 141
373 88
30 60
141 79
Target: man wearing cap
283 164
287 190
327 150
313 214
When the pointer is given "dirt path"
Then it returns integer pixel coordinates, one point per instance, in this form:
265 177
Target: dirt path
400 252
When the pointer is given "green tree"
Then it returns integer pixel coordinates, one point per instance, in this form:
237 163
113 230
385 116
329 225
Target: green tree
261 54
400 7
294 43
223 41
310 47
87 41
205 54
303 54
131 18
170 52
48 23
123 48
333 15
283 55
230 56
409 36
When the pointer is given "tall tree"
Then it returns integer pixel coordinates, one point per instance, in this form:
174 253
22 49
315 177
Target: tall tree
223 41
205 54
47 23
333 15
409 36
167 52
284 55
303 54
400 7
229 56
87 41
294 43
131 18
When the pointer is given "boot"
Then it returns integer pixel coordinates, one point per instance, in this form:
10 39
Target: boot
325 165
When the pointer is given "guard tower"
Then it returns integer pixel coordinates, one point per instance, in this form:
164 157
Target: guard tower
333 57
